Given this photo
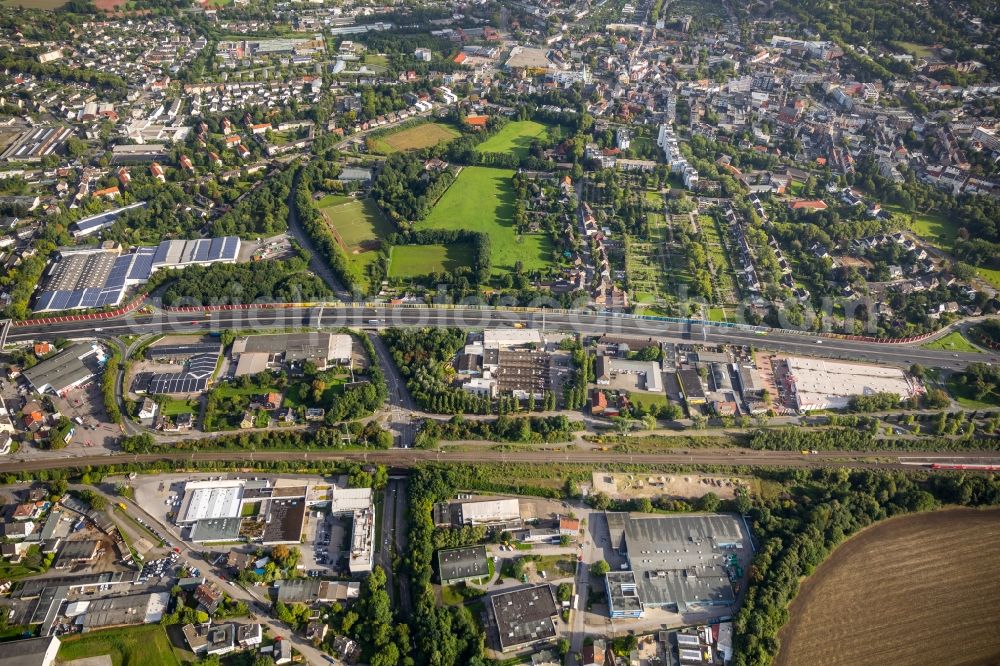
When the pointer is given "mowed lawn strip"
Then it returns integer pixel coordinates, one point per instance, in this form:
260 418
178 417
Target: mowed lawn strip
144 645
482 199
901 592
515 137
361 226
412 261
954 341
412 138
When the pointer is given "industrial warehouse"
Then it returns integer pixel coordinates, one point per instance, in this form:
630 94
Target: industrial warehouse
99 276
213 511
680 563
814 383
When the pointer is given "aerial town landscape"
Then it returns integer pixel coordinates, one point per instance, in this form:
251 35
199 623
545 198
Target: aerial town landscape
548 332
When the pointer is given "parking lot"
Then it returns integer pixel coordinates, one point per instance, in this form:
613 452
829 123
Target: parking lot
323 549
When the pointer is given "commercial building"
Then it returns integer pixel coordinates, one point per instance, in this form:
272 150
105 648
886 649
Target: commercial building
524 617
505 338
692 386
94 223
357 502
193 378
122 611
678 562
456 565
651 372
210 499
70 368
486 512
257 353
818 384
29 652
361 557
623 594
215 530
313 590
284 519
99 277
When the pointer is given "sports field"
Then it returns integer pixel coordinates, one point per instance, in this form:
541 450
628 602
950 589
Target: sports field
515 137
918 589
420 136
482 199
144 645
359 227
412 261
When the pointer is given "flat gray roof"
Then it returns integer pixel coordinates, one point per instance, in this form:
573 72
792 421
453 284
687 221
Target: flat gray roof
524 616
681 560
62 370
26 652
463 563
216 529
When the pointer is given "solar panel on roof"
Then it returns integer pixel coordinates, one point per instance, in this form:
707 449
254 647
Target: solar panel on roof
160 255
88 298
44 300
230 247
142 266
215 250
201 250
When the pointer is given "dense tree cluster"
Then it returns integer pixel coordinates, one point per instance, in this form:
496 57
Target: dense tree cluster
533 429
981 381
276 281
863 437
423 356
405 191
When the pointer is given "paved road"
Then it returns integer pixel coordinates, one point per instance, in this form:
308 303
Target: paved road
400 459
317 264
392 541
192 558
587 323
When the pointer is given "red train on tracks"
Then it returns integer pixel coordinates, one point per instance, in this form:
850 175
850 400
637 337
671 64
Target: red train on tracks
972 467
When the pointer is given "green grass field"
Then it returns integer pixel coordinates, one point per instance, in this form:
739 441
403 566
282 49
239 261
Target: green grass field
175 406
412 261
331 200
954 341
412 138
964 396
482 199
144 645
933 227
717 314
648 399
515 137
990 275
360 226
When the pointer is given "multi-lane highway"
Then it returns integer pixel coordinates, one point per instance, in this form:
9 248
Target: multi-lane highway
588 323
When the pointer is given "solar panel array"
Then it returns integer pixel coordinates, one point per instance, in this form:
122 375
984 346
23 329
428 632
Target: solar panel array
176 383
135 268
203 250
194 379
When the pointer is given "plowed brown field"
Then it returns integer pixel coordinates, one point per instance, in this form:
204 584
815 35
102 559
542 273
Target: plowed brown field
920 589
